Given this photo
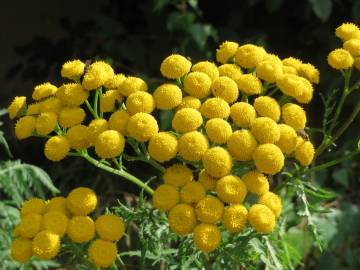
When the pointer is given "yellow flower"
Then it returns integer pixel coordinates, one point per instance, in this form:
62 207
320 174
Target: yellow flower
268 107
165 197
307 91
189 102
78 137
140 102
269 70
118 121
268 158
52 104
96 75
33 206
167 96
163 146
288 138
256 182
186 120
109 227
33 108
357 63
57 204
242 114
45 123
272 201
71 116
72 69
197 84
25 127
289 84
353 46
81 229
81 201
249 84
218 130
347 31
294 116
102 253
249 55
208 182
241 145
207 237
209 209
56 222
178 175
235 218
192 146
231 189
21 250
217 162
265 130
340 59
131 85
16 107
309 72
72 94
115 82
215 108
175 66
192 192
46 245
56 148
289 70
261 218
226 51
30 225
182 219
230 70
95 128
207 67
225 88
304 153
292 62
44 90
108 99
142 126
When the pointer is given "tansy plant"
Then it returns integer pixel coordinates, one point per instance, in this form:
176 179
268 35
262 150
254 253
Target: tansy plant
237 139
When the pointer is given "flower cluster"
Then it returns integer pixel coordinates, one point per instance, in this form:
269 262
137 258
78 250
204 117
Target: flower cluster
44 223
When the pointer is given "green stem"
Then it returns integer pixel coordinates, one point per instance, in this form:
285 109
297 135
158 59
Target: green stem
91 109
348 122
284 99
273 91
333 162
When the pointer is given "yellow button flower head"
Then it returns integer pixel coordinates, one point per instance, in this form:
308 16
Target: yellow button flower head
353 46
226 51
192 146
209 210
256 182
225 88
261 218
109 227
197 84
56 148
218 130
95 128
118 121
57 204
25 127
167 96
347 31
33 206
163 146
310 72
217 162
78 137
269 71
56 222
30 225
131 85
307 91
46 123
207 237
215 108
268 158
44 90
249 55
208 182
265 130
175 66
108 100
177 175
289 70
182 219
33 108
292 62
115 81
241 145
71 116
81 201
81 229
235 218
102 253
186 120
242 114
97 74
249 84
165 197
289 84
192 192
21 250
109 144
304 153
294 116
72 94
340 59
51 104
288 138
142 126
272 201
72 69
231 189
140 101
189 102
46 245
268 107
272 57
230 70
207 67
16 107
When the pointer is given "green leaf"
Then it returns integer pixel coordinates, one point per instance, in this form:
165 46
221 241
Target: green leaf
322 8
3 112
178 21
201 32
4 143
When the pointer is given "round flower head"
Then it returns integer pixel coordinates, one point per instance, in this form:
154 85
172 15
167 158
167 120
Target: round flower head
306 90
207 237
56 222
33 109
197 84
242 114
131 85
261 218
109 144
25 127
16 107
225 88
81 229
230 70
208 182
52 104
182 219
269 71
163 146
44 90
353 47
81 201
186 120
178 175
140 101
72 69
271 57
46 245
30 225
192 192
102 253
288 138
109 227
218 130
33 206
45 123
118 121
167 96
209 209
78 137
265 130
108 100
142 126
57 204
72 94
289 84
272 201
226 51
96 75
175 66
249 84
268 107
217 162
289 70
57 148
340 59
357 63
207 67
21 250
294 116
192 145
231 189
256 182
115 82
347 31
249 55
235 218
71 116
310 72
299 141
292 62
268 158
189 102
304 153
165 197
95 128
215 108
241 145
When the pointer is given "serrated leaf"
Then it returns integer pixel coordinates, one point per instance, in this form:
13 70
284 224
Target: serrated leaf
322 8
4 143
